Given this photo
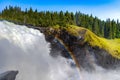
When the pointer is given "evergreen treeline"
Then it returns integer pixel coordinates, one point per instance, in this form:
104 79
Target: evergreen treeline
108 29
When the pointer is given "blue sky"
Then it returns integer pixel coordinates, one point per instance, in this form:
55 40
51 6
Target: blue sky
101 8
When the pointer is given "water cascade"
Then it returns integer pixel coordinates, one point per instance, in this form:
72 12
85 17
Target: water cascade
26 50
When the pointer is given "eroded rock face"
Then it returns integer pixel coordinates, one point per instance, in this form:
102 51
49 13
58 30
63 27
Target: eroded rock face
9 75
87 56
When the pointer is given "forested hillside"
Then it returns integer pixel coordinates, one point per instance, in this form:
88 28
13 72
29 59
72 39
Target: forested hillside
108 29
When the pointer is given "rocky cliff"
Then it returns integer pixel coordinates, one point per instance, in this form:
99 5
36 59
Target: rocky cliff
87 49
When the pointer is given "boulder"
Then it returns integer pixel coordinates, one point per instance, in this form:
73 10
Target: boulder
8 75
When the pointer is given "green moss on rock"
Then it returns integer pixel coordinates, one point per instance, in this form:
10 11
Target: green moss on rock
112 46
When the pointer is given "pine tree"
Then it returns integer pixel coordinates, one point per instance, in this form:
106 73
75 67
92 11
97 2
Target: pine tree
62 19
108 29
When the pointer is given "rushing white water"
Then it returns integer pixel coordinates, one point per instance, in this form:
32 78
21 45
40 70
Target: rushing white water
26 50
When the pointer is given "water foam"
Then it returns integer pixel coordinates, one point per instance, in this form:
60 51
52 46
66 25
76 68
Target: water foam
25 49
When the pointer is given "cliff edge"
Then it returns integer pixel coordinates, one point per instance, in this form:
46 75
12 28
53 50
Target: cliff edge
87 48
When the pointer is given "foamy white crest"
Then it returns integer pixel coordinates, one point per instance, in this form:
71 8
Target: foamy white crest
26 50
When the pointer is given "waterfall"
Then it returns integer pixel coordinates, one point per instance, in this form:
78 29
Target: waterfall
26 50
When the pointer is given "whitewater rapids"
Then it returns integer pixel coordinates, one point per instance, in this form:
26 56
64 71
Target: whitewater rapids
25 49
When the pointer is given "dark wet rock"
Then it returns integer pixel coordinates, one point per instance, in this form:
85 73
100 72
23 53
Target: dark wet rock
87 56
9 75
